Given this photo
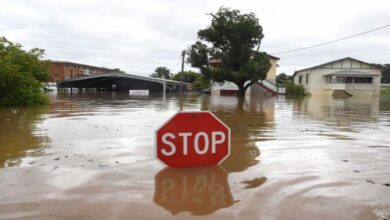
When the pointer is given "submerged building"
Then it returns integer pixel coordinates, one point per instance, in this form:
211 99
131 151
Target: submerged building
343 77
63 70
263 87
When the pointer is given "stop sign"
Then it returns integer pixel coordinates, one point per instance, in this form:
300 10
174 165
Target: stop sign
192 139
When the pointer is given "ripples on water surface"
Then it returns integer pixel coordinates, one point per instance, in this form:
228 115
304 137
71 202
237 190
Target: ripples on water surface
92 157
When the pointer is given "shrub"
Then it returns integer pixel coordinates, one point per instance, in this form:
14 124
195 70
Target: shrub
295 90
21 74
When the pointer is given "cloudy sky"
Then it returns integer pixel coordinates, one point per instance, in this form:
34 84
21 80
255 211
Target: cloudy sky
138 36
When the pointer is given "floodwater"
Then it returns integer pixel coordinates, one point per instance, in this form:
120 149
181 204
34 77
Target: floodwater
91 156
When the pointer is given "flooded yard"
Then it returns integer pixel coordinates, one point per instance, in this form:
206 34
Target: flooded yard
92 156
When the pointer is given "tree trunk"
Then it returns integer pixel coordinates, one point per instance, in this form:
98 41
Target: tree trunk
240 104
241 90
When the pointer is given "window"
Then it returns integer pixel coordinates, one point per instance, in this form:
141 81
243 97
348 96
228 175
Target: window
300 79
363 80
307 78
350 79
328 79
340 79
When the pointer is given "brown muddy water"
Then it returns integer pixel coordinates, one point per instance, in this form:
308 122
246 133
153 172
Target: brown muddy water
91 156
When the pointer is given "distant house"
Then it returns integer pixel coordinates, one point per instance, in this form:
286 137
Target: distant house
61 70
346 77
266 86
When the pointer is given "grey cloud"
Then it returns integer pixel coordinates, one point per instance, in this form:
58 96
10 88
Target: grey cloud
139 36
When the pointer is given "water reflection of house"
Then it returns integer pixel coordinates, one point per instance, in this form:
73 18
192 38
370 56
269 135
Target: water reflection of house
266 86
341 112
346 77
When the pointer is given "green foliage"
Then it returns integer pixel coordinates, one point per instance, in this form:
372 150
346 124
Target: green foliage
199 81
232 37
385 68
282 79
21 74
386 73
385 91
202 83
188 76
295 90
161 72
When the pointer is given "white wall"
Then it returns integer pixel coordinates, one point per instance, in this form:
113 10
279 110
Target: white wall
317 82
271 75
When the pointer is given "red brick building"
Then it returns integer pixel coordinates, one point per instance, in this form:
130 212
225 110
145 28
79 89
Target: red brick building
61 70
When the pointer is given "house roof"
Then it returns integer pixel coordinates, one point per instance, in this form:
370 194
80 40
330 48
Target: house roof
314 67
273 57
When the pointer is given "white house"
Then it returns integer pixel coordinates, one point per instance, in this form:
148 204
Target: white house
267 86
346 77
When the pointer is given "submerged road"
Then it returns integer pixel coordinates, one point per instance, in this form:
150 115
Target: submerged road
92 156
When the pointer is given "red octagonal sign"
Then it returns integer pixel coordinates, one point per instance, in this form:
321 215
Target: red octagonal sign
192 139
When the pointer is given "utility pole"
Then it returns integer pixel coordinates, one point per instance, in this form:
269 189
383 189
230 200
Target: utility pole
183 54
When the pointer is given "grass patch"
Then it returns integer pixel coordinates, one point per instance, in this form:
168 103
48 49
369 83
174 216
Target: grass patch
385 91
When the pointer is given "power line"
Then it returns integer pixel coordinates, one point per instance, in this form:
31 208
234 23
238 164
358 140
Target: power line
333 41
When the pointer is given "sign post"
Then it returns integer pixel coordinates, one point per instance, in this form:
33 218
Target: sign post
191 139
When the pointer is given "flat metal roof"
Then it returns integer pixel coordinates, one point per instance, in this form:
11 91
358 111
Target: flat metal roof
125 75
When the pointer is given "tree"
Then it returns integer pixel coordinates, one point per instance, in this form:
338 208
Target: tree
161 72
386 73
232 37
21 74
199 81
385 68
282 79
188 76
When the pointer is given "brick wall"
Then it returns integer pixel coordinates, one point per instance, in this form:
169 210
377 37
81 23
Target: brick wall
66 70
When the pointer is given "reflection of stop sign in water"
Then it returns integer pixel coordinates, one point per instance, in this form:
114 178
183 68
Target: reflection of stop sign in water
193 139
199 190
